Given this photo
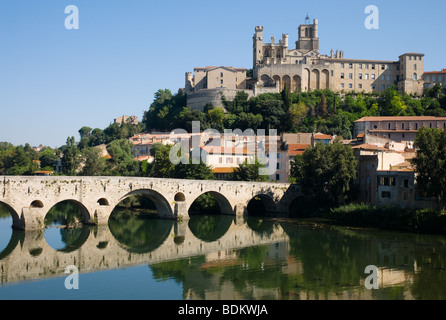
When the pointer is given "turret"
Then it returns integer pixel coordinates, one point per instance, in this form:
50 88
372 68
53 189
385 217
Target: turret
257 46
189 82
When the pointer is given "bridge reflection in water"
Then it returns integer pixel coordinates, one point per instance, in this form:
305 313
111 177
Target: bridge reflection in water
228 257
132 242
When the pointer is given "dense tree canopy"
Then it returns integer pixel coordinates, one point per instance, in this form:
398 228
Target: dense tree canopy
326 172
430 162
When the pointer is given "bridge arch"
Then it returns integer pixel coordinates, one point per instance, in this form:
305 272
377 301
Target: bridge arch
15 216
36 204
261 205
103 202
162 205
85 214
224 204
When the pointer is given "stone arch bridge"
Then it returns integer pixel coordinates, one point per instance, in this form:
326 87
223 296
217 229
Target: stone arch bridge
30 198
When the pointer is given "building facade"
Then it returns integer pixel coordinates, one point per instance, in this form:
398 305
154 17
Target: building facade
432 78
304 68
277 65
398 129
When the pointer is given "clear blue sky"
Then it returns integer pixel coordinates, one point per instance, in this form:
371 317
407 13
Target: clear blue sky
53 81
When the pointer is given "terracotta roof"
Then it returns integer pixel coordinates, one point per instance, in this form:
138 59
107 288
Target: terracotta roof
322 136
426 118
435 72
297 149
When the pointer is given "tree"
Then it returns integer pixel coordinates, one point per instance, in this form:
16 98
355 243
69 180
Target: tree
85 132
249 172
430 163
47 158
297 112
193 171
161 167
71 158
122 162
94 164
326 173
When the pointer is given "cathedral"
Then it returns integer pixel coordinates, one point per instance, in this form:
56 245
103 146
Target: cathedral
302 68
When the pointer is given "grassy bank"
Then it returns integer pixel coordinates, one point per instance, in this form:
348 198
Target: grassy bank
391 218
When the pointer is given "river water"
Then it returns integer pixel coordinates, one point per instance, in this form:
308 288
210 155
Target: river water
218 257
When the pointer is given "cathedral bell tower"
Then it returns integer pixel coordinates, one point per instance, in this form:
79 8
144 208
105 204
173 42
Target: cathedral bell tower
308 36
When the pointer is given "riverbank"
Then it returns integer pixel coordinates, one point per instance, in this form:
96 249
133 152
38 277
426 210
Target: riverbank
428 221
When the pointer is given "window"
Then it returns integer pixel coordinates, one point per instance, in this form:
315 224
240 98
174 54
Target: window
277 177
350 75
402 126
332 73
385 194
406 183
342 65
415 66
279 166
279 155
373 67
367 66
220 160
221 74
360 76
387 181
383 67
416 126
229 160
342 75
360 66
373 87
382 77
360 86
367 76
342 85
350 86
373 76
350 65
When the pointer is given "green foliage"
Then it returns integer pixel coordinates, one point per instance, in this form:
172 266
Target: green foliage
326 172
430 162
122 162
395 218
94 163
249 172
72 159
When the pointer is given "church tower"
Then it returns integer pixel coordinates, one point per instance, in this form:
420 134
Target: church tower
308 36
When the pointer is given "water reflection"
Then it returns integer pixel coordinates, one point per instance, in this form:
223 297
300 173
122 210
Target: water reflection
140 235
224 257
209 228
